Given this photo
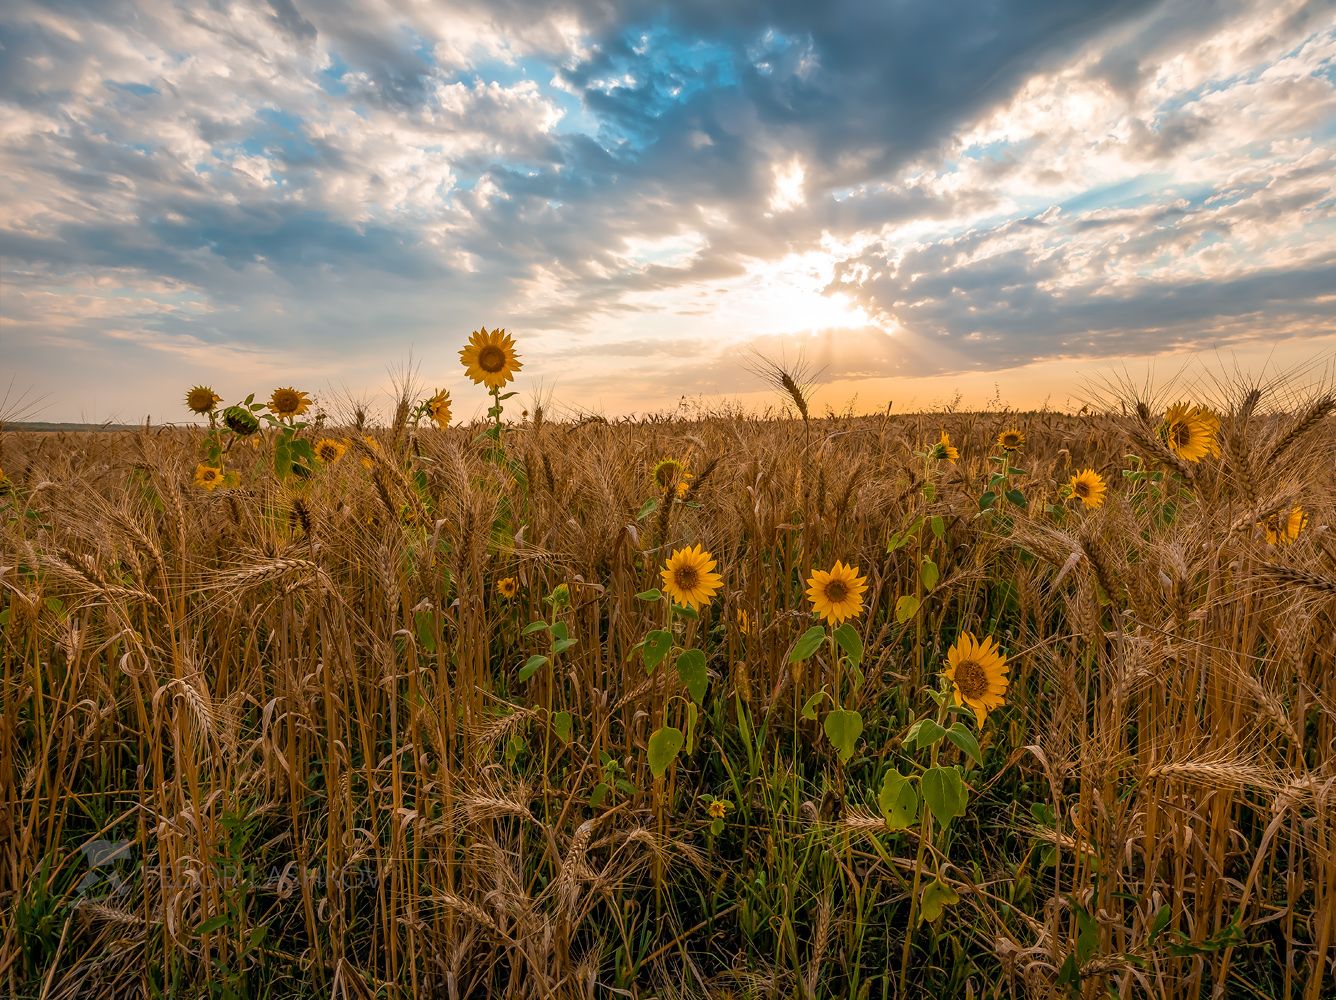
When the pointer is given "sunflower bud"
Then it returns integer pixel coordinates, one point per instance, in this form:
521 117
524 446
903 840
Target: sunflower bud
240 421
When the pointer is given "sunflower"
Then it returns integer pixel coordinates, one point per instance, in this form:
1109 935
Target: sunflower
744 621
1190 432
684 487
202 399
439 408
978 674
208 477
1011 440
689 577
1088 487
669 471
240 421
943 449
838 594
1282 528
507 587
718 809
490 358
329 451
288 403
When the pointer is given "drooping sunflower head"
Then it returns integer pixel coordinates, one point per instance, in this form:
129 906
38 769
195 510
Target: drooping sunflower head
330 451
689 577
978 673
240 421
1088 487
1011 439
438 407
288 403
668 472
1191 432
202 399
507 587
837 594
490 358
1284 527
943 449
208 477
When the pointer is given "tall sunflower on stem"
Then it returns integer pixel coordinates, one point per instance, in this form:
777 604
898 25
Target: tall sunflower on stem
489 359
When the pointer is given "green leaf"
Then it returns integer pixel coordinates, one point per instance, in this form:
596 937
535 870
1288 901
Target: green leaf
533 627
810 706
928 574
215 922
898 801
937 896
531 666
691 668
843 727
657 645
663 747
599 793
808 644
944 791
686 612
905 608
923 734
938 525
987 500
561 725
1161 920
964 739
560 631
561 645
847 637
650 595
424 623
1016 497
647 508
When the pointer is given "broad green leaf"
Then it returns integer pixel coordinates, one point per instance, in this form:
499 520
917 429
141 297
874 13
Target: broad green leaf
808 644
928 574
657 645
691 668
810 706
215 922
938 525
649 595
843 727
923 734
424 623
964 739
937 896
531 666
663 747
560 631
647 508
561 645
1016 497
944 791
685 612
599 793
898 801
847 636
533 627
905 608
987 500
561 725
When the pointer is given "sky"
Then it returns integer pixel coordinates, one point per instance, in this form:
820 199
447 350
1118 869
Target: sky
996 199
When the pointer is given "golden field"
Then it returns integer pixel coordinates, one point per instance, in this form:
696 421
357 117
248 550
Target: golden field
436 713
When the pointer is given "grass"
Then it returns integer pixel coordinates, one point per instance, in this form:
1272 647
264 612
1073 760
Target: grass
286 738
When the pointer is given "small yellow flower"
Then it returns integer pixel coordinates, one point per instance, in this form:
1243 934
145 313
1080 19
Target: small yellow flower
943 449
837 594
689 577
490 358
288 403
1011 439
439 408
202 399
978 674
1282 530
507 587
718 808
208 477
1088 487
329 451
744 621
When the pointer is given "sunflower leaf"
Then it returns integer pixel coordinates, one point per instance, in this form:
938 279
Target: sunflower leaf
843 726
657 645
847 636
691 668
561 725
898 801
531 666
905 608
964 739
937 896
664 745
649 595
923 734
533 627
810 706
808 644
929 574
944 791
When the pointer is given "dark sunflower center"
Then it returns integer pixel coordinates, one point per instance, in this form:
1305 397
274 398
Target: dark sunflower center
209 475
327 452
970 679
491 358
1010 440
1180 433
687 577
285 402
836 591
1081 489
201 400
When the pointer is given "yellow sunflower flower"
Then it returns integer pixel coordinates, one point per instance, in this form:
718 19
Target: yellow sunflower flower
1011 439
1088 487
288 403
744 621
1190 432
507 587
202 399
1283 528
689 577
718 809
978 672
668 472
943 449
329 451
439 408
208 477
374 445
490 358
837 594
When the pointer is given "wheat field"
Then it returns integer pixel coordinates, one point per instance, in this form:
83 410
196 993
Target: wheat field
413 710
